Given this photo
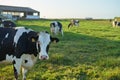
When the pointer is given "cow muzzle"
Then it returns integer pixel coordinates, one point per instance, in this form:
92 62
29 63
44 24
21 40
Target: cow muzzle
43 57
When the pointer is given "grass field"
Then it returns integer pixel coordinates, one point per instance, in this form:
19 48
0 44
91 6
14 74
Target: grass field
88 52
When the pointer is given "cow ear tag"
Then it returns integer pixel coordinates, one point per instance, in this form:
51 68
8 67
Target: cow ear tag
33 40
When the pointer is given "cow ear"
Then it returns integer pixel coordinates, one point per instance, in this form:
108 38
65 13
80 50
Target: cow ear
32 36
55 40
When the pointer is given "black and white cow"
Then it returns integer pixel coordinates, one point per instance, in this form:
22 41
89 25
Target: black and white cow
56 27
73 23
21 46
115 23
7 23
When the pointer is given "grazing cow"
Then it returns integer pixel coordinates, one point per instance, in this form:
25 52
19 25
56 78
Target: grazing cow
21 46
115 23
7 23
56 27
73 23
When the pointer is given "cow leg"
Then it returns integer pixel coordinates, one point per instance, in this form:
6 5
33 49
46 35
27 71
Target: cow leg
62 33
17 66
77 24
24 72
52 30
55 32
69 25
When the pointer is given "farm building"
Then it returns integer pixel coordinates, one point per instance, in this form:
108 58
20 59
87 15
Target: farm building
15 12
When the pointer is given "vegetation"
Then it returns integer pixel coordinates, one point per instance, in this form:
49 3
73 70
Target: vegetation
88 52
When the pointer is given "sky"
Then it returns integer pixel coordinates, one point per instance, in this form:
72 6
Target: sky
70 8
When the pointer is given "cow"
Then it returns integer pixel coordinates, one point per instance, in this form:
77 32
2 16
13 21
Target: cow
7 23
73 23
22 46
56 27
115 23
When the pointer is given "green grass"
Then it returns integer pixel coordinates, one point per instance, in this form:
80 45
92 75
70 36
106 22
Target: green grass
88 52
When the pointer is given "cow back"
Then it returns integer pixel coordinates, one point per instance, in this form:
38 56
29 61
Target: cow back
8 24
6 41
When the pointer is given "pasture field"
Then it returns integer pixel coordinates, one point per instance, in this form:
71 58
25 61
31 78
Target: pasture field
88 52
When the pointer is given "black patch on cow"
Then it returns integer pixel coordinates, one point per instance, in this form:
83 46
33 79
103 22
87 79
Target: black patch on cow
118 23
31 35
15 73
21 45
6 42
54 39
31 46
46 31
70 24
47 49
115 22
26 61
14 62
60 26
24 45
0 20
52 25
8 24
38 47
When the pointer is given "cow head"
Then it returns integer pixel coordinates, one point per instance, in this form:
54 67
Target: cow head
43 42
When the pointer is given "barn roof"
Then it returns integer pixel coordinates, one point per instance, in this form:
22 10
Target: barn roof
16 9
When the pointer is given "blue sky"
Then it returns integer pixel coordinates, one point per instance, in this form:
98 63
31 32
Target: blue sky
70 8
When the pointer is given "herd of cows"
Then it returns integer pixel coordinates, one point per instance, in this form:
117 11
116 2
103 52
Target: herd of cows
21 46
56 27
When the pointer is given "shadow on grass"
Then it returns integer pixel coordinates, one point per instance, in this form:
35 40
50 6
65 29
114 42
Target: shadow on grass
83 53
82 49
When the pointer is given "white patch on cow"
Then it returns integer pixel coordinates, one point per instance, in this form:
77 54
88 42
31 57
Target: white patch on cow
20 31
17 64
31 59
56 24
24 71
44 40
62 32
52 28
1 25
19 27
9 58
6 35
113 23
57 29
4 38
